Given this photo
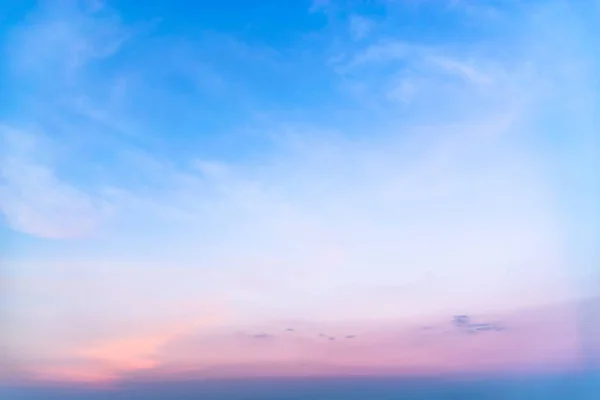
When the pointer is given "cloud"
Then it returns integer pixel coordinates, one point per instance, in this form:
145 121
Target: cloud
463 323
467 71
35 201
384 52
360 26
66 38
263 336
319 5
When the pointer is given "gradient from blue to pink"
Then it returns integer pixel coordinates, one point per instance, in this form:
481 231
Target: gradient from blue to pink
202 190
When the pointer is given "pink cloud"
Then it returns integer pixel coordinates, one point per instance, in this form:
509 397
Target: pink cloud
534 340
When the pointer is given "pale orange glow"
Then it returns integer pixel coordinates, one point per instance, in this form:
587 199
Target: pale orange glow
533 340
91 374
105 361
127 353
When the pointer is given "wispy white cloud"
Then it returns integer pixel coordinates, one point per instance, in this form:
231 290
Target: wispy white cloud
385 52
34 200
360 26
409 68
467 71
66 37
319 5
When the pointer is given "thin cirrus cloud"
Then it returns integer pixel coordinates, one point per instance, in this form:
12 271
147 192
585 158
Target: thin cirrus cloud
181 187
62 211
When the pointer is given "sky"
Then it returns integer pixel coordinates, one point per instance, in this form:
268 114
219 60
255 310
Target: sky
226 189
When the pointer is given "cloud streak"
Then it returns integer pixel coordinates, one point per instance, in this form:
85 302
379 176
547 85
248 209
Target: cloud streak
36 201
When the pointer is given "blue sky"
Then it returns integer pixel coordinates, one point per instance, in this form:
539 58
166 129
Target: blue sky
175 168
